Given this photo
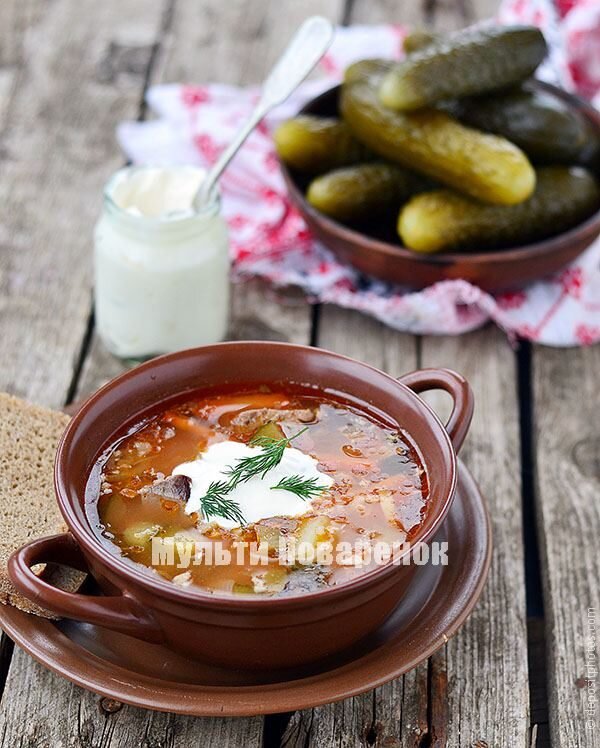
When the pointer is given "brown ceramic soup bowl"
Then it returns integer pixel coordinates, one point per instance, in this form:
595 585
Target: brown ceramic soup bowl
245 632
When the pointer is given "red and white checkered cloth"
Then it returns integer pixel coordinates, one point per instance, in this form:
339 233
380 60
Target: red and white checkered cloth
269 239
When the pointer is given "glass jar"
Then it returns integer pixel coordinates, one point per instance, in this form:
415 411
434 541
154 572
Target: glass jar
161 268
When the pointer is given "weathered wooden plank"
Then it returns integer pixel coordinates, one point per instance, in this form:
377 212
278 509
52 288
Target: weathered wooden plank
441 15
567 469
395 714
486 662
413 14
446 15
14 21
7 83
392 716
16 18
366 339
57 149
47 712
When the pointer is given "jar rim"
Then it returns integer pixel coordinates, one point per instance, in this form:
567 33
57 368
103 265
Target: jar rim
144 223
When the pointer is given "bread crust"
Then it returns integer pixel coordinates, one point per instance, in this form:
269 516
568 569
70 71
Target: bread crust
29 436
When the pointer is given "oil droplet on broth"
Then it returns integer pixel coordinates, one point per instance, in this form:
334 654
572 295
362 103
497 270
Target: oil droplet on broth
351 451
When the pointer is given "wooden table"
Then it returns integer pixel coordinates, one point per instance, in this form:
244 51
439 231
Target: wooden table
515 674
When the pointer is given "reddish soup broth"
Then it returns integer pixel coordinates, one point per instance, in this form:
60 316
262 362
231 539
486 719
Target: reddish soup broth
378 491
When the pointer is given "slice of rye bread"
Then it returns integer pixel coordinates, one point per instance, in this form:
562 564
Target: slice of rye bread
29 436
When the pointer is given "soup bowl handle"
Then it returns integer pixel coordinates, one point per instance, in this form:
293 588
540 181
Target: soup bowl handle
119 612
459 390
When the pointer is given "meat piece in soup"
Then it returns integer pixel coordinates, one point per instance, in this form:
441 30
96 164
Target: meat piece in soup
176 487
279 480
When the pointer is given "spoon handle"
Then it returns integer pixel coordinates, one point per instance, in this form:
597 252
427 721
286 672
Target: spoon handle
301 55
304 51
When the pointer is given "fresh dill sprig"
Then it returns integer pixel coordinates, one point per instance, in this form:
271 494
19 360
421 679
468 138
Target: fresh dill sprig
216 503
260 464
305 488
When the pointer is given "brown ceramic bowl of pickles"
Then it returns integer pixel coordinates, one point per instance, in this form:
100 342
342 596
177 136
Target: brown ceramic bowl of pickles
452 163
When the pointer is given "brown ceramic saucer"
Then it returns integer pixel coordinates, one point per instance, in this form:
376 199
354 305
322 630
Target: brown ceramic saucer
382 256
150 676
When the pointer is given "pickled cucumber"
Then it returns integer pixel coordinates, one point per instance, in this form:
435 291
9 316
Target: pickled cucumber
467 62
317 144
540 123
419 39
365 70
590 153
439 220
364 191
487 167
269 430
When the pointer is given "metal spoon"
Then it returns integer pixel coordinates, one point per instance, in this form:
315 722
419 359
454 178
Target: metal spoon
304 51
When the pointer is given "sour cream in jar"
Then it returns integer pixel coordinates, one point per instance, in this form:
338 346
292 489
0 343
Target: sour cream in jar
161 268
